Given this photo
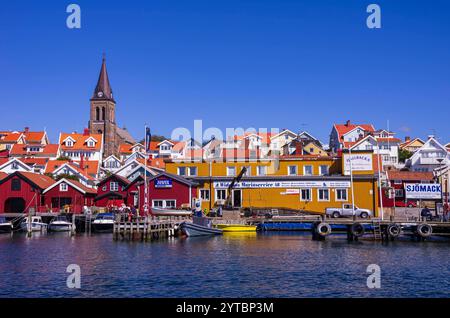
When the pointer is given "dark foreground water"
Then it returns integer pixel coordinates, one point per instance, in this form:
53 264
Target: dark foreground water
252 265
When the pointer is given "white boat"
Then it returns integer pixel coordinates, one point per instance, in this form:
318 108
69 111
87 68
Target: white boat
103 223
60 224
5 226
200 226
170 212
37 225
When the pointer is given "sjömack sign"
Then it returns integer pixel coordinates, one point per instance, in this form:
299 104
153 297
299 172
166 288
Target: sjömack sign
430 191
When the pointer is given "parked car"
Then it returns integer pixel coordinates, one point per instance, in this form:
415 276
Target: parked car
403 204
347 210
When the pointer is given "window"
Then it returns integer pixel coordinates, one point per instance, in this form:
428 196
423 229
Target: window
248 173
292 170
341 194
114 186
15 165
63 187
171 204
69 143
157 203
311 150
308 170
204 194
181 171
221 194
192 171
323 170
261 170
323 194
231 171
15 185
305 195
91 143
399 193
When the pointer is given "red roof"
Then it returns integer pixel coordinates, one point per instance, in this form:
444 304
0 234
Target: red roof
10 137
345 128
410 175
34 161
3 175
80 141
21 150
34 137
42 181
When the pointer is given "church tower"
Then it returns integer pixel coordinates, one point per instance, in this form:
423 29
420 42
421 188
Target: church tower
103 113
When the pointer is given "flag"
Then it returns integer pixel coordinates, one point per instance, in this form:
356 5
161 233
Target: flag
148 139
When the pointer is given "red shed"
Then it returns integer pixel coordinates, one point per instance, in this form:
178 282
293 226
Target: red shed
167 190
112 191
21 191
68 193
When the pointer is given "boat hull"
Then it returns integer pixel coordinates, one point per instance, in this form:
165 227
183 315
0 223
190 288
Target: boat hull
5 228
35 227
237 228
102 227
162 212
190 229
60 227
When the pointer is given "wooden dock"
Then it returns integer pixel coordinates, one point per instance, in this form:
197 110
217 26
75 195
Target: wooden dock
147 229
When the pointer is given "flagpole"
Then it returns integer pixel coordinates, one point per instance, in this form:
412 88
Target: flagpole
145 173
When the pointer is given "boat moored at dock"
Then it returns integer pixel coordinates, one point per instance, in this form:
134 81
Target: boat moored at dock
60 224
5 226
36 224
103 223
201 226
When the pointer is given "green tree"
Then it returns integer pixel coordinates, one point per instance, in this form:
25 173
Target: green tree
404 155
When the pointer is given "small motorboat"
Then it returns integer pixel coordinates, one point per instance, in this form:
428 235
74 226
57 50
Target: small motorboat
60 224
103 223
200 226
36 225
236 227
170 212
5 226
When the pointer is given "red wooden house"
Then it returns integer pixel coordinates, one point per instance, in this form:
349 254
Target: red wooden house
112 192
68 195
22 191
167 191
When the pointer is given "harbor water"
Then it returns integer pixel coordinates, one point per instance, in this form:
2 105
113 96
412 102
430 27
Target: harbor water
239 265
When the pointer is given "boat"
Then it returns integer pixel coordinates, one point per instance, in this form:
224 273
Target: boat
37 225
200 226
170 212
5 226
60 224
103 223
236 227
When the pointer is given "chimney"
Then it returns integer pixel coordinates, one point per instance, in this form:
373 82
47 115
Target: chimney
347 123
407 139
27 129
299 148
86 132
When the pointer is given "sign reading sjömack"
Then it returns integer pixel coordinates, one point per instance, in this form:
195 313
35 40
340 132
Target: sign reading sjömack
283 184
359 162
431 191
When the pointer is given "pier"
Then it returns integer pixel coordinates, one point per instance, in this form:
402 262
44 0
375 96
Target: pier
147 228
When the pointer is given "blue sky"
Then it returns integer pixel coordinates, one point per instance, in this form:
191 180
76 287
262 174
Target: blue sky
248 63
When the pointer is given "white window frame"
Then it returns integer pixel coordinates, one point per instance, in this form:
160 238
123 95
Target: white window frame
310 194
63 187
318 194
289 170
185 171
327 170
346 194
202 191
304 170
69 143
229 169
164 203
216 195
189 171
111 186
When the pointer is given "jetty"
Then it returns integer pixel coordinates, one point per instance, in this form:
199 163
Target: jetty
147 228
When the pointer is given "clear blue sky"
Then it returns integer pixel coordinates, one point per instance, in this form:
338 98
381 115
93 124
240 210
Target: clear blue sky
232 63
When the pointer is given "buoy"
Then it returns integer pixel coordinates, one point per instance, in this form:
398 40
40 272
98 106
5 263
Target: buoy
323 229
424 230
357 229
394 230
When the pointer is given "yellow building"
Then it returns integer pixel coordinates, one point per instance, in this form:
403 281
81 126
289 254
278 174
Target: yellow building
306 183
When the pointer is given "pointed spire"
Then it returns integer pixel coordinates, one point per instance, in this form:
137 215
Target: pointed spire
103 89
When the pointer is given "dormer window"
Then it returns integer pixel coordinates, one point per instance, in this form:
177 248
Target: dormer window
69 143
91 144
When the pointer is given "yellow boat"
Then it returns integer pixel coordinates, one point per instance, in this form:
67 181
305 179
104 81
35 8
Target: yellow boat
236 227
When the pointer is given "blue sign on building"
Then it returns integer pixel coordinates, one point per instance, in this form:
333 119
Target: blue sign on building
163 183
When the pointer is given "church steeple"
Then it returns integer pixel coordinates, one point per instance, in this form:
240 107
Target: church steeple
103 89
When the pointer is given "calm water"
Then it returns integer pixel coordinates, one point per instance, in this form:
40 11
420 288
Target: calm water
260 265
